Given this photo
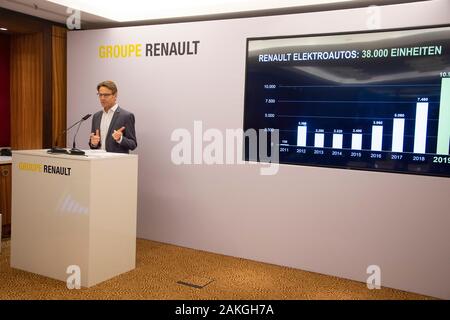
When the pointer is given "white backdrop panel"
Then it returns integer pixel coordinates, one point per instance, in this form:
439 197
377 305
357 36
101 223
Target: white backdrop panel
330 221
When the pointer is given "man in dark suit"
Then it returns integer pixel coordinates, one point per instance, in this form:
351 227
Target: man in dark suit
113 127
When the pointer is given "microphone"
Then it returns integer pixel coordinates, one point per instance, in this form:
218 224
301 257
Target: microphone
74 151
63 150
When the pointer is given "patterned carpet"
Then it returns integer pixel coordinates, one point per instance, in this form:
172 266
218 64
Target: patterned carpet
160 267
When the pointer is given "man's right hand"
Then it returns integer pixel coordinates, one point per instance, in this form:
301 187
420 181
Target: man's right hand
95 138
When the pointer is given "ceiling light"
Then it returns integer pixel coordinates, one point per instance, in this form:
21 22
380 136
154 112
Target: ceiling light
135 10
3 29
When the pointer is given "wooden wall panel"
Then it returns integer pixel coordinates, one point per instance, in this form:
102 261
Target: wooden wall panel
59 83
47 108
5 118
27 91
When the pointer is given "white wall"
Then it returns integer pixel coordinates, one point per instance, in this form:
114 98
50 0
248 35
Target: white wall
331 221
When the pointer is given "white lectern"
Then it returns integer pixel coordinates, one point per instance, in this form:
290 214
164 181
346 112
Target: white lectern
74 211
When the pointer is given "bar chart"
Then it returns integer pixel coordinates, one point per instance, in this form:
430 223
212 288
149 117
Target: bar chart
376 133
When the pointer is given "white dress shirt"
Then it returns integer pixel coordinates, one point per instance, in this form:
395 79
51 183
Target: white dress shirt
105 123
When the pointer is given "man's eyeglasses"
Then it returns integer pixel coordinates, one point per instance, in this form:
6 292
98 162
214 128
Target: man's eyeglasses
104 95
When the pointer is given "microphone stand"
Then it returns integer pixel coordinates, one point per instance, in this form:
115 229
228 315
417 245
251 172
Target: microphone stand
64 150
75 151
57 149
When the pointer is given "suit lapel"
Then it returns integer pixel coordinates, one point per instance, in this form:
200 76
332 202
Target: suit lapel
98 121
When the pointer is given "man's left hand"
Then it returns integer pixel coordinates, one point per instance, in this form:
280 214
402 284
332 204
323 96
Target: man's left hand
117 134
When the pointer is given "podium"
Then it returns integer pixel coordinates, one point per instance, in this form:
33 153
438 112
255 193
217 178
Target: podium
74 212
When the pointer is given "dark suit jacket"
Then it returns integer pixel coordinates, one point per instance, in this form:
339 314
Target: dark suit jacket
121 118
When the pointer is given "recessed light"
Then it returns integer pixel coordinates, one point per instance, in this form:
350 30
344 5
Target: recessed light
3 29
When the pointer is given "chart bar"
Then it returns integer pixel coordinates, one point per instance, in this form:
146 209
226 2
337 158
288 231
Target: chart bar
337 140
443 137
301 136
398 133
356 141
319 139
377 138
420 132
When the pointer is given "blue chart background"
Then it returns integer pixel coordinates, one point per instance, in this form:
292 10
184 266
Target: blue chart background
349 94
